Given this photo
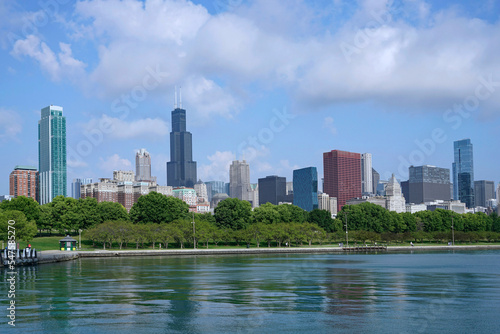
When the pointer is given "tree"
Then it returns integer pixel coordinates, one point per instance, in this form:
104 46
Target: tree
268 214
112 211
46 219
26 205
65 214
158 208
88 211
323 219
257 230
233 213
22 228
291 213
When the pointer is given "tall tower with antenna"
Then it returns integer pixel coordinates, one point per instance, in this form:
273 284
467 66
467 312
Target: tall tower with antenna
181 169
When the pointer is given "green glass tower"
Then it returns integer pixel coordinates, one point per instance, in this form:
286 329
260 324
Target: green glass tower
51 154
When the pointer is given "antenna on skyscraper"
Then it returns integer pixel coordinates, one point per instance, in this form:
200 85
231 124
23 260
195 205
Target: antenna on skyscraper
180 97
175 103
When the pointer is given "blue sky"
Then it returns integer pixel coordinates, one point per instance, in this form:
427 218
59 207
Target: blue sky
275 82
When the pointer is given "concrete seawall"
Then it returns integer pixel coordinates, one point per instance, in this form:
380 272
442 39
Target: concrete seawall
58 256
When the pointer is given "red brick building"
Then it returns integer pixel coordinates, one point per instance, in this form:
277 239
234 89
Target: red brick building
342 175
23 181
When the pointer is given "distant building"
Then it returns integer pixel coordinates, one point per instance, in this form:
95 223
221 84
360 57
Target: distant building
412 208
5 198
201 191
143 166
239 180
428 183
188 195
181 169
483 191
123 176
23 181
342 175
366 174
51 154
498 195
217 198
215 187
272 189
76 186
455 206
375 179
378 200
327 203
463 172
305 188
394 197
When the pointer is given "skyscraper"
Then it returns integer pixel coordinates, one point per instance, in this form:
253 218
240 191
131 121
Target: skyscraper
51 154
76 187
143 166
181 169
366 173
375 179
342 175
483 191
463 172
215 187
305 188
272 189
23 181
428 183
239 180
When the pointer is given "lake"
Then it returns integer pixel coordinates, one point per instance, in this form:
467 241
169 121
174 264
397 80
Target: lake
420 292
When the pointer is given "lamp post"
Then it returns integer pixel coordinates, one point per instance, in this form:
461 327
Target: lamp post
452 233
80 239
194 231
346 232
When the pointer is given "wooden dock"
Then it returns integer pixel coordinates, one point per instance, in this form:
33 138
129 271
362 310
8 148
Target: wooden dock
365 249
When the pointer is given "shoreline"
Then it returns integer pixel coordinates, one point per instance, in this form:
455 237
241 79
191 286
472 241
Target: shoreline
60 256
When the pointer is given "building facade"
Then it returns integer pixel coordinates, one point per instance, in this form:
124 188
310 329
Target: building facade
375 179
342 175
428 183
51 154
239 180
366 174
143 166
272 189
463 172
305 188
181 169
201 190
483 191
76 187
215 187
23 181
395 200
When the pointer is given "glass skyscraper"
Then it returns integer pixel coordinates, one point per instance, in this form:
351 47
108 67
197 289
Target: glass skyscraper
52 154
181 169
463 172
305 188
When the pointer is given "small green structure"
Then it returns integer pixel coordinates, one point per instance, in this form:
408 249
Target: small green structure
67 243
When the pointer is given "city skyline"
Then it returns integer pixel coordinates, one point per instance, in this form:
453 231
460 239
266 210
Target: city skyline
243 105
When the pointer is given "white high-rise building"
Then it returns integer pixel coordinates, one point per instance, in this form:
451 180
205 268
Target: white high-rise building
143 166
366 173
239 181
395 200
201 191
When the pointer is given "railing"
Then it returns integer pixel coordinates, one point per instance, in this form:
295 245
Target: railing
20 256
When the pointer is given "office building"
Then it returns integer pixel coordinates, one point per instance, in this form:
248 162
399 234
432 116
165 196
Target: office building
181 169
483 191
427 183
342 172
305 188
201 191
498 195
394 197
23 181
272 189
327 203
239 180
463 172
51 154
366 174
76 186
188 195
375 180
143 166
215 187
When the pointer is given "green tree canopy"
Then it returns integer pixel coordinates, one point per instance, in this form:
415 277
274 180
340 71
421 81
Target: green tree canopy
323 219
22 228
268 214
89 212
233 213
26 205
158 208
112 211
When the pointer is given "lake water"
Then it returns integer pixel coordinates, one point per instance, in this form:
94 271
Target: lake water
451 292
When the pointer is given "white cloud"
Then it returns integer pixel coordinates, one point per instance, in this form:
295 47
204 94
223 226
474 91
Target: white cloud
218 169
10 124
76 163
153 128
328 124
57 66
114 162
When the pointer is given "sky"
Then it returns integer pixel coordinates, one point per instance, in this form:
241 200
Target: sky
274 82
